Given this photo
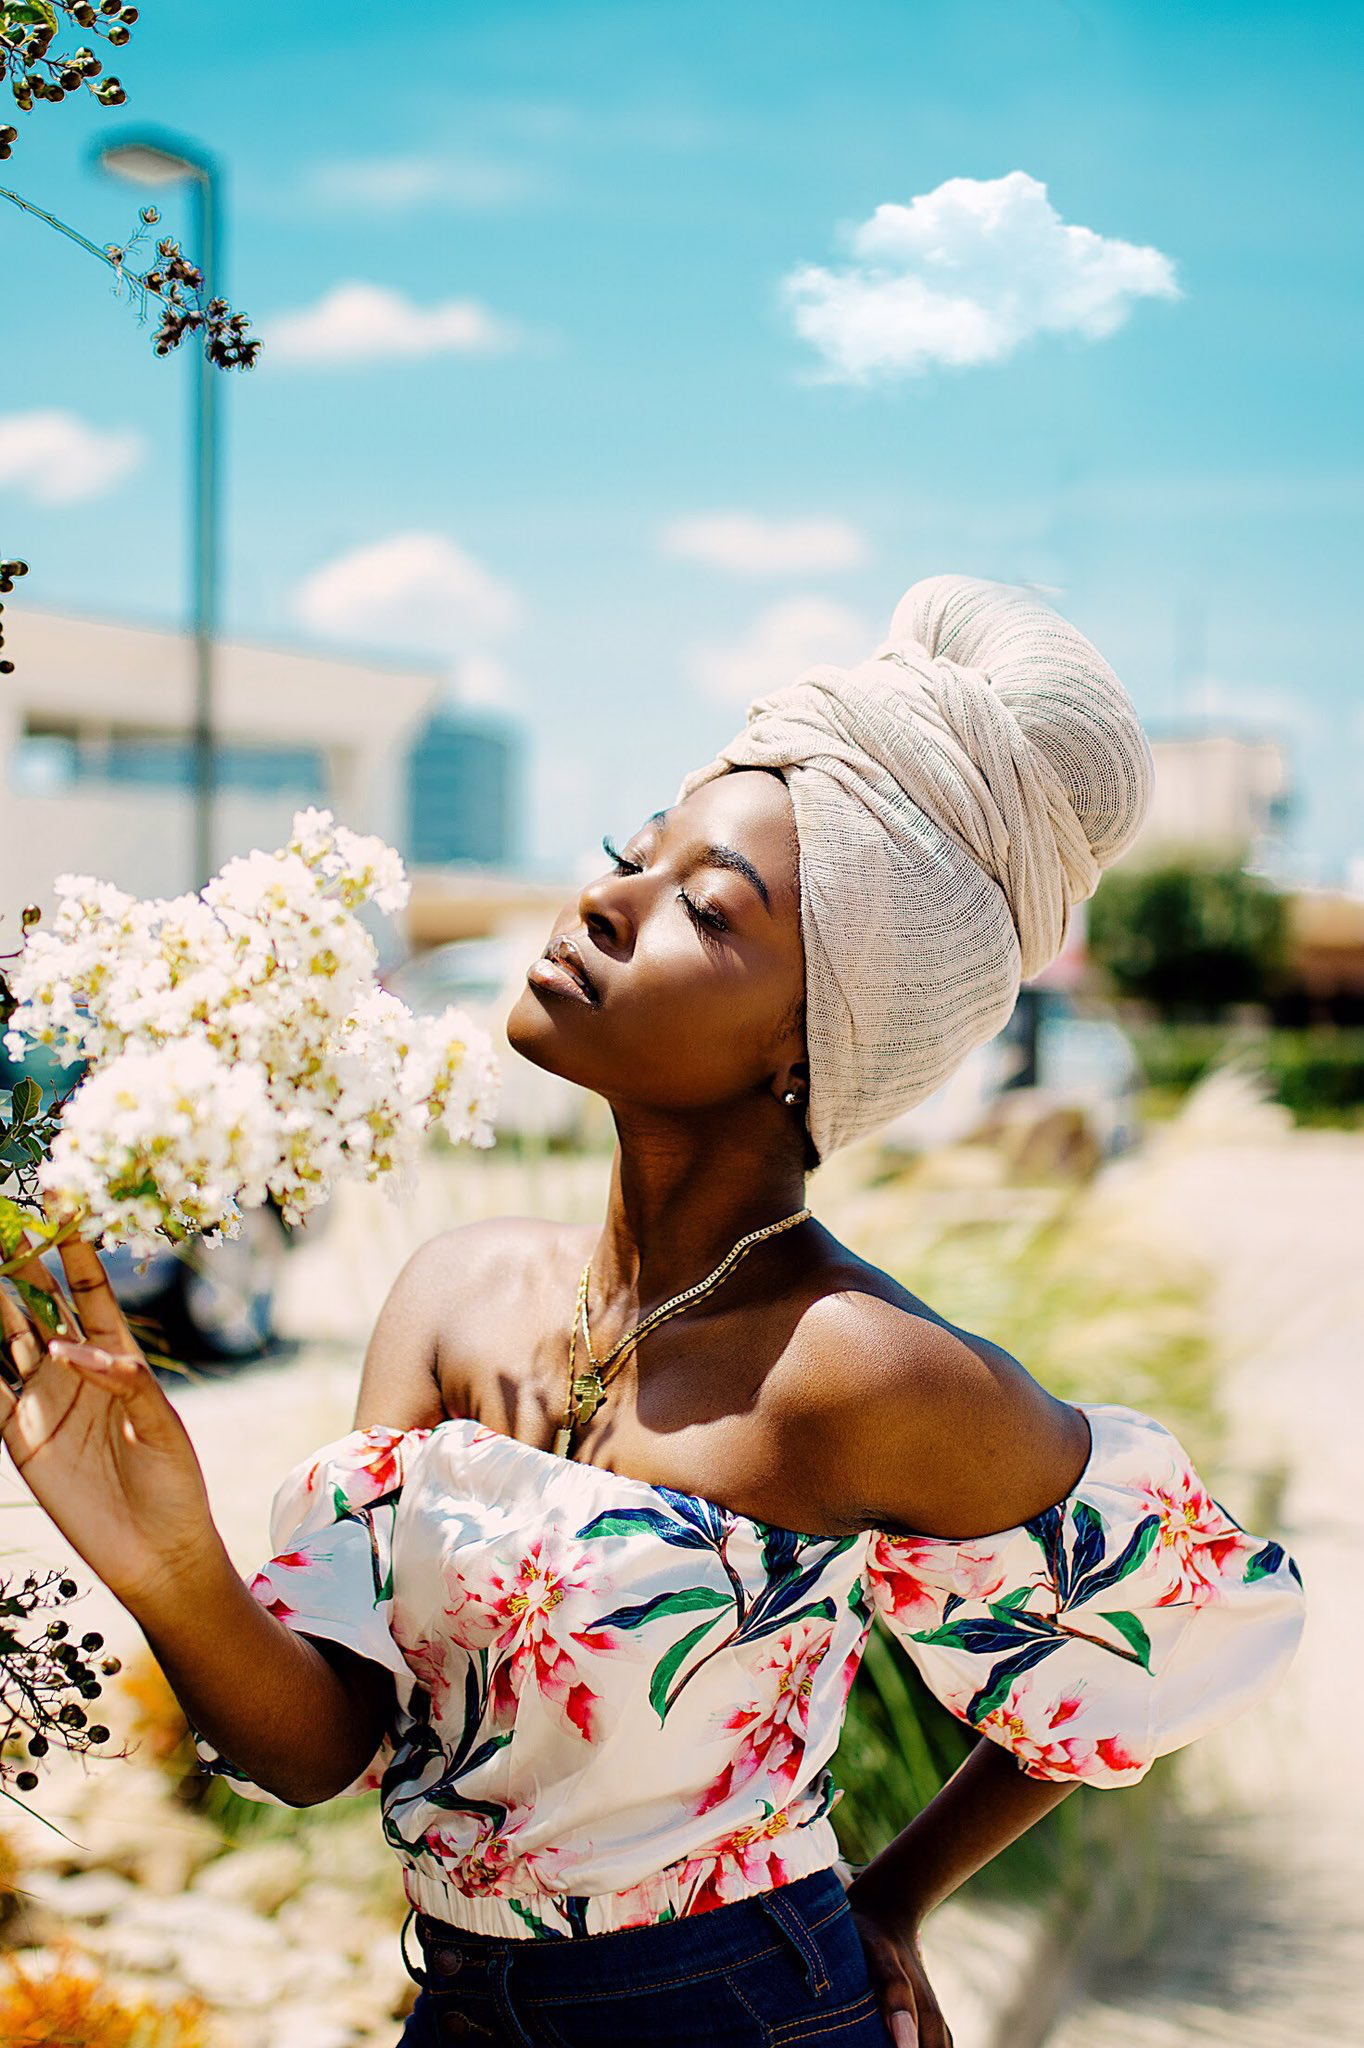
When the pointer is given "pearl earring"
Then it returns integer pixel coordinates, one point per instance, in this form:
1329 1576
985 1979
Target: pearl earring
790 1098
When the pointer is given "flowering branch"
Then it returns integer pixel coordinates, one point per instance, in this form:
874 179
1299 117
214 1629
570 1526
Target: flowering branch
236 1045
28 31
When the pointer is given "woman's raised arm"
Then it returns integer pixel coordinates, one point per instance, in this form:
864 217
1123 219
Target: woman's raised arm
103 1451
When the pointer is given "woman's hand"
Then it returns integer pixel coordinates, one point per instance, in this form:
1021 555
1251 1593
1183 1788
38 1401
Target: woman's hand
99 1446
896 1965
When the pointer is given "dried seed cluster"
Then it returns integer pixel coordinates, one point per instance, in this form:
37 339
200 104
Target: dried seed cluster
45 1675
225 338
8 572
34 72
178 283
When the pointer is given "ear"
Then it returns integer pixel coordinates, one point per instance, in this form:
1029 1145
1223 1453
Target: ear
792 1080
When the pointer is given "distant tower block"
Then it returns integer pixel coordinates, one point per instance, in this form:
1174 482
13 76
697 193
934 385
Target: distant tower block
463 785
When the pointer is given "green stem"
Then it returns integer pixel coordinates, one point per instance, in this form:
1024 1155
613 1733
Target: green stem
74 235
63 1236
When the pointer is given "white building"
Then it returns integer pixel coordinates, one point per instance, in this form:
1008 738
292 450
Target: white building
1217 795
96 767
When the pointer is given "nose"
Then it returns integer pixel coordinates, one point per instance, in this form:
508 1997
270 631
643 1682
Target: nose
604 913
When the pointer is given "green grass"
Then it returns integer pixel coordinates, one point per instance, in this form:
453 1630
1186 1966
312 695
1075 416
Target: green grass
1073 1285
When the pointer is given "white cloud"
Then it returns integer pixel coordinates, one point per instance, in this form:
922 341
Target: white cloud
59 460
367 323
484 683
748 545
407 183
417 593
964 274
781 643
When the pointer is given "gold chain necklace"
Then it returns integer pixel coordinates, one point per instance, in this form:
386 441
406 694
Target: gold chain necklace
587 1390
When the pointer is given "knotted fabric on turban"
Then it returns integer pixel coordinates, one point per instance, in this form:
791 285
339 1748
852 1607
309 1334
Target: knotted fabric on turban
953 797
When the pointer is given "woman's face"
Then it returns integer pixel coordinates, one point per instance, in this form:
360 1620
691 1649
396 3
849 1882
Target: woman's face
690 944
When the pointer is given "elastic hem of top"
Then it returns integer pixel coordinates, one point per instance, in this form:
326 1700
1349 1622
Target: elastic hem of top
666 1895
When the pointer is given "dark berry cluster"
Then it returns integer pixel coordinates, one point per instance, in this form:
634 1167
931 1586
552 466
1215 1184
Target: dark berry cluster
45 1674
178 284
34 72
224 332
8 573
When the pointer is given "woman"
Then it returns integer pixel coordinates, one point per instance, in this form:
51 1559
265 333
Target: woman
586 1586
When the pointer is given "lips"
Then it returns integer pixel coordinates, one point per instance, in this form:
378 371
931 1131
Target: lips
571 960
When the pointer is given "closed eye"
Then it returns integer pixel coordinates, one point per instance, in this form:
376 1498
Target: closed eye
613 853
708 921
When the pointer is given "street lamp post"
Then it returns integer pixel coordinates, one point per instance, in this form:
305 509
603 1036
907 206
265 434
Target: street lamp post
154 157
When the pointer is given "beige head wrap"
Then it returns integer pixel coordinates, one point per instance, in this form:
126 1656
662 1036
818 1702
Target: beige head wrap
953 797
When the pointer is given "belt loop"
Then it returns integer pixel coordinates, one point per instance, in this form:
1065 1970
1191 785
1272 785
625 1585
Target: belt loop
788 1919
419 1977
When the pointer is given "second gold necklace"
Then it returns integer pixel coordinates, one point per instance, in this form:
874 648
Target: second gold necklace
587 1389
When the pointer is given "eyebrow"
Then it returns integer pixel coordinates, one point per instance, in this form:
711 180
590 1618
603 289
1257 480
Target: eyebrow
724 857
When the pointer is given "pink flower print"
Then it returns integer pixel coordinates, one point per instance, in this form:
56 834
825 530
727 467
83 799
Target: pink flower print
488 1864
427 1658
515 1613
373 1468
913 1576
1044 1744
749 1861
262 1590
1194 1540
774 1728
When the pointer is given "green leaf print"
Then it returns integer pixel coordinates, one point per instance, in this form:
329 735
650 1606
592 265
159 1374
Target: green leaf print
1130 1628
1017 1598
669 1664
1265 1562
688 1601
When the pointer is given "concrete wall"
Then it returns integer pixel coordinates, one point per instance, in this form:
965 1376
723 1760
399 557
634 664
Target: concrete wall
95 676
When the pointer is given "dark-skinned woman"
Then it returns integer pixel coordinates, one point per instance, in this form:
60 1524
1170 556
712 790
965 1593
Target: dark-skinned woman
586 1586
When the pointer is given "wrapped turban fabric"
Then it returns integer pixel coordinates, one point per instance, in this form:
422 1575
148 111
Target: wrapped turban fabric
953 797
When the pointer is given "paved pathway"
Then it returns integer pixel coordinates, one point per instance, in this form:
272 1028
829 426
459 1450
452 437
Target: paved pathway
1261 1942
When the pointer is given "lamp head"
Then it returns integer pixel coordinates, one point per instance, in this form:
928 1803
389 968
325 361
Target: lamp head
148 160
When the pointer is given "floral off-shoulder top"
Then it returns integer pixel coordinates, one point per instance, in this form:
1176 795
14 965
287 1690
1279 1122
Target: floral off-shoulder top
617 1703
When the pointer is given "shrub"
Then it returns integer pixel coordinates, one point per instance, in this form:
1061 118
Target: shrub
1318 1074
73 2007
1189 939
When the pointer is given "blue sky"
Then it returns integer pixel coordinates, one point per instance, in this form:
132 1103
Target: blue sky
538 397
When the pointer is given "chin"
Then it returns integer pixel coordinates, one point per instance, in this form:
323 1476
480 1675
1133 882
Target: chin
530 1031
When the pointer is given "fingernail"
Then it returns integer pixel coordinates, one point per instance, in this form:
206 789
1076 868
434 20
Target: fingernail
903 2031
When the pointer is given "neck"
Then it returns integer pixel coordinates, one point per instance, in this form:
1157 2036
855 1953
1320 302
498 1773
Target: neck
684 1189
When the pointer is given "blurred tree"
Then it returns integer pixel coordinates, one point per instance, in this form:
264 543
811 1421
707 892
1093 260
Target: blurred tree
1187 938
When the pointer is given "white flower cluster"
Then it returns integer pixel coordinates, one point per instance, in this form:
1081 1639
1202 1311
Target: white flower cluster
237 1042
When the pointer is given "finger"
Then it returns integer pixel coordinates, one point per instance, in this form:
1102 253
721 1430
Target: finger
33 1273
118 1375
93 1295
904 2028
20 1346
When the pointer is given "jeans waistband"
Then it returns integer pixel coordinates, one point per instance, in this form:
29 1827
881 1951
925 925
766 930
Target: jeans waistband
648 1957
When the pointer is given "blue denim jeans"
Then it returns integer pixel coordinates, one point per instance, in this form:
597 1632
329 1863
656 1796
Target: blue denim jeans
776 1970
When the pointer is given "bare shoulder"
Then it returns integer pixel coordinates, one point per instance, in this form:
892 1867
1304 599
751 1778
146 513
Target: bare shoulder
452 1291
937 1431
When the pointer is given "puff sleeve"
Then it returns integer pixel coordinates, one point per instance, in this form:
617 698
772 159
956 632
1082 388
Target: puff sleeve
331 1528
1123 1622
